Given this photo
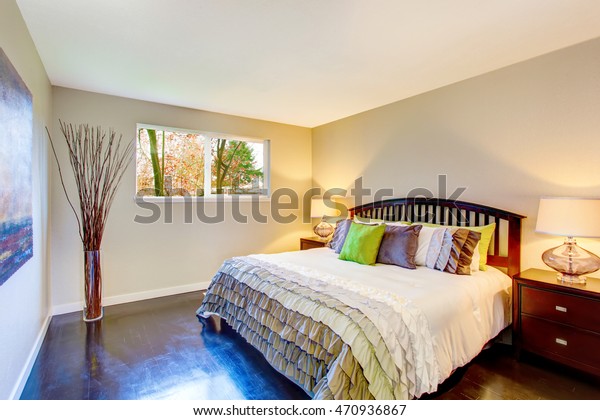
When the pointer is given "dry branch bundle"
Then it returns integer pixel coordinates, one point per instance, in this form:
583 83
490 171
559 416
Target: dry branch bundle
99 161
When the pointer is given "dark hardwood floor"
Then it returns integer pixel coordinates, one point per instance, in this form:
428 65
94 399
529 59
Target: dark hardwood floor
156 349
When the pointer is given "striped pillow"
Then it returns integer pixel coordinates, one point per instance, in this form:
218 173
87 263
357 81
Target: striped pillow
451 250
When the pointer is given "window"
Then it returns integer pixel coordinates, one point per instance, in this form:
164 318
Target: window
177 162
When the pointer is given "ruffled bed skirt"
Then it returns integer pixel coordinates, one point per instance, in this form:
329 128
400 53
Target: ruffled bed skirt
306 351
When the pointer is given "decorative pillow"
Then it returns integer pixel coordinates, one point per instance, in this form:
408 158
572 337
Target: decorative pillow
425 236
398 223
362 243
486 231
475 260
464 244
440 246
339 235
399 245
451 250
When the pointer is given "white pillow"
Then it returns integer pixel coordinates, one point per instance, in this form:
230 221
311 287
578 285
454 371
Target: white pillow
476 259
367 221
397 223
425 236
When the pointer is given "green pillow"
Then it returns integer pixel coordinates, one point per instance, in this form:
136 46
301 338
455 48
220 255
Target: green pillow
362 243
484 243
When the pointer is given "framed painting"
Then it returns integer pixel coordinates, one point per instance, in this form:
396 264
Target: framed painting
16 136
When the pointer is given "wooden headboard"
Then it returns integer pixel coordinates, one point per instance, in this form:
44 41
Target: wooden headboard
505 247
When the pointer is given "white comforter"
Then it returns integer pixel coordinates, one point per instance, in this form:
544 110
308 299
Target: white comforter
463 312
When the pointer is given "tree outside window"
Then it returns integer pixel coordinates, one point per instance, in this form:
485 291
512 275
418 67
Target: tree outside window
179 162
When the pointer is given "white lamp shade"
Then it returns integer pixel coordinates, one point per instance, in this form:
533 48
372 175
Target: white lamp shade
318 208
566 216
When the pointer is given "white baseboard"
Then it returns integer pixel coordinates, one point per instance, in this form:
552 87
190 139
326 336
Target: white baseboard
132 297
24 375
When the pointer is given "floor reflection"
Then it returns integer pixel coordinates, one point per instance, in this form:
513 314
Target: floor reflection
153 349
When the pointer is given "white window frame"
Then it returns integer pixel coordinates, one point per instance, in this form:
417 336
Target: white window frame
208 195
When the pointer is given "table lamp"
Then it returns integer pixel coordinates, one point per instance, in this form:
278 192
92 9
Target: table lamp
318 208
570 217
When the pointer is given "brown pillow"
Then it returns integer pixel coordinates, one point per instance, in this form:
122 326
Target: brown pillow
464 242
399 246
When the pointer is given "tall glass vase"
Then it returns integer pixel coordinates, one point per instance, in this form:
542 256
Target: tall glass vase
93 310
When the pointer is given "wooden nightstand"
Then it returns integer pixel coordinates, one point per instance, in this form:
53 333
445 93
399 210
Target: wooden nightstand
558 321
312 242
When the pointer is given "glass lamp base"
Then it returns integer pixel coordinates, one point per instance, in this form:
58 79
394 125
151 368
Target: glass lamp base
570 278
571 261
323 229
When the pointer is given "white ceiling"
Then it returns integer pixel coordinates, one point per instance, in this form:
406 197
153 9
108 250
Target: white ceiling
303 62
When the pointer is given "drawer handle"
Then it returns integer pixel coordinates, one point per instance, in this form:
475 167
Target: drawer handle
560 308
561 341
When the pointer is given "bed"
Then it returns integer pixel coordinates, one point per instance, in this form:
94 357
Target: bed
343 330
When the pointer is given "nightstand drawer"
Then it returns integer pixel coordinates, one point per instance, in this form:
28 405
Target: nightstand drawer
555 306
314 242
309 245
558 341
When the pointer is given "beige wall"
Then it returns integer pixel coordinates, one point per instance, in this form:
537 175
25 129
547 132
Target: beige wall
509 136
146 260
24 303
